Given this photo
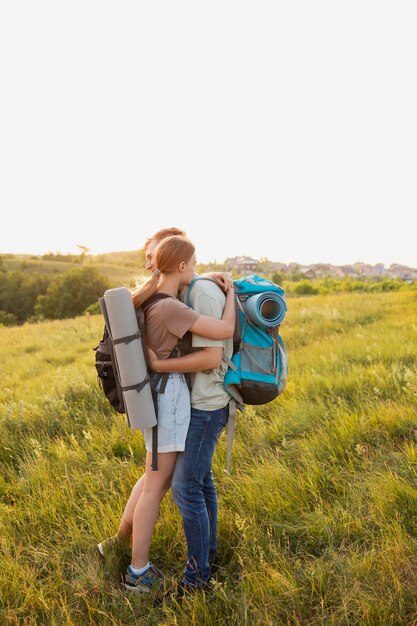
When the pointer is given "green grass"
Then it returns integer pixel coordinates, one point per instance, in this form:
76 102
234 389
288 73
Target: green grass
318 521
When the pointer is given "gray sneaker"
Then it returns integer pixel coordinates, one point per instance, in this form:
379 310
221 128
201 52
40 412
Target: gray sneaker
144 582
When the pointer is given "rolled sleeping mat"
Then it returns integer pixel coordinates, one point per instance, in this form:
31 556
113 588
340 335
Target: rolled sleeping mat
266 309
119 313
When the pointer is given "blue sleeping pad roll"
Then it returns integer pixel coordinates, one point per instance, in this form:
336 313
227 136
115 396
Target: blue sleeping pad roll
266 309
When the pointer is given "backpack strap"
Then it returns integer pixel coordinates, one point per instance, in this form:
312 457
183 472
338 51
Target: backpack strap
127 339
230 434
154 463
228 362
233 405
137 387
155 298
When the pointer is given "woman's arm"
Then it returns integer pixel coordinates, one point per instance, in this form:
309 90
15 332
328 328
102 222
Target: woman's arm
205 359
212 328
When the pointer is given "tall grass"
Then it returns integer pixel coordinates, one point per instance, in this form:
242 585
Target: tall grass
318 521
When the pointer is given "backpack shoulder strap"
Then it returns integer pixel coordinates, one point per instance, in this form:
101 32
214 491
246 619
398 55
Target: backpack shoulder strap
153 299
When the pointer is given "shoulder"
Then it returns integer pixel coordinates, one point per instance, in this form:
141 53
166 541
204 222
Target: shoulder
207 298
207 288
172 306
177 316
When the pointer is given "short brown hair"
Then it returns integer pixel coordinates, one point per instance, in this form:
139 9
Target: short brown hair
162 234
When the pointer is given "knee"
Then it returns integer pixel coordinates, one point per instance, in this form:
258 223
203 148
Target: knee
181 492
156 492
187 495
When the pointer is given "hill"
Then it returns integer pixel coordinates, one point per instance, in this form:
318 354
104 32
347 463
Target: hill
109 265
318 520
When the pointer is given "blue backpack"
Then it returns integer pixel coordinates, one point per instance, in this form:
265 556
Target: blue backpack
258 370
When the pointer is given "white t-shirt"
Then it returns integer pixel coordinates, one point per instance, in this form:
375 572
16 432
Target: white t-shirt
207 392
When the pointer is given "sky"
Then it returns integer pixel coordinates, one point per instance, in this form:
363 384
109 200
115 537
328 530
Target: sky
285 130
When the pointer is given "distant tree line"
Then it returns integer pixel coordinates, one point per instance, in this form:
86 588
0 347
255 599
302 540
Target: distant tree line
36 296
33 296
323 286
133 258
57 256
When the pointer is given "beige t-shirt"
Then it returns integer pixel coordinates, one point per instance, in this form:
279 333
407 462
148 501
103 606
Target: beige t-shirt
167 321
207 393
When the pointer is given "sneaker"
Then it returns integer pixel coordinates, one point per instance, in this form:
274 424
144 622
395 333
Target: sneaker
115 553
144 582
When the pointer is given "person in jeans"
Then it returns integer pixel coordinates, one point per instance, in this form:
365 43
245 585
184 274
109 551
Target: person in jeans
167 320
193 487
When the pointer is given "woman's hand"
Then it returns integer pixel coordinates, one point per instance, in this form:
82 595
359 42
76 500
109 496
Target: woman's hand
153 361
224 279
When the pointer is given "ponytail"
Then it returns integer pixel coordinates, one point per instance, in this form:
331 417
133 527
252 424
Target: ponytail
144 292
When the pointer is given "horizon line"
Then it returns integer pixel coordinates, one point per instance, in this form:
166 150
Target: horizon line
214 261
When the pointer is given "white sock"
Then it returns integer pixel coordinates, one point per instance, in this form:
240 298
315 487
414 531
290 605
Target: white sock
137 571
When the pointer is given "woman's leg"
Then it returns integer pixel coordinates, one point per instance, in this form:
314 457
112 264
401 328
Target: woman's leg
154 488
126 523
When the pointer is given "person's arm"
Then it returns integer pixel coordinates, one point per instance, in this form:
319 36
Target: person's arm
204 359
212 328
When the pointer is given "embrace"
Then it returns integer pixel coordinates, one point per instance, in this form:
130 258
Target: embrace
189 422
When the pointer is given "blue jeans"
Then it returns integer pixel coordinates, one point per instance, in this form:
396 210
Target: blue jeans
195 493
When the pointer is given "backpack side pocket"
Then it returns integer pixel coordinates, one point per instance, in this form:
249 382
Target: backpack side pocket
108 381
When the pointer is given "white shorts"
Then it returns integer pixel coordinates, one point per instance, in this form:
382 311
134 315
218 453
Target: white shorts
174 411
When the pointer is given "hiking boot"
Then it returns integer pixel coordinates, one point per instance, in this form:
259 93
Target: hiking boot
184 590
144 582
115 553
215 567
180 591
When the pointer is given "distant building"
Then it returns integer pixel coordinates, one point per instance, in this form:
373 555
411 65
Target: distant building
396 270
241 264
308 272
349 270
245 265
280 267
379 269
322 270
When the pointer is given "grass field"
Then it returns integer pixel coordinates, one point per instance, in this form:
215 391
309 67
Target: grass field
318 521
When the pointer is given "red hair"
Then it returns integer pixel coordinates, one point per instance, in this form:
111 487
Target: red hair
168 255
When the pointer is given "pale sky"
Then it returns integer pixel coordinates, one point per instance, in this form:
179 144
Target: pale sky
268 128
